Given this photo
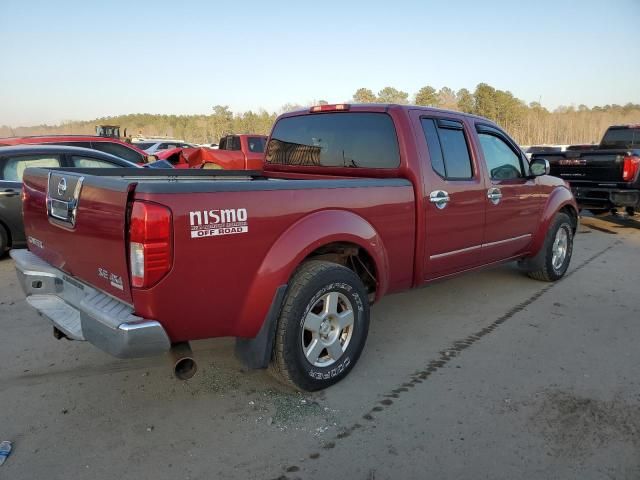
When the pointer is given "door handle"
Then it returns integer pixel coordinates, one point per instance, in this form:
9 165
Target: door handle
494 195
9 192
440 198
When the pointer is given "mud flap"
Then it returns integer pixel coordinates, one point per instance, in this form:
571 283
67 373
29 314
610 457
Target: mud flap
256 352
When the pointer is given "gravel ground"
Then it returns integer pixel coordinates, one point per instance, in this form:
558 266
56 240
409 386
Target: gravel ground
489 375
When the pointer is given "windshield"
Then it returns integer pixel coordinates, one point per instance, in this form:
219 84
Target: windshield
621 138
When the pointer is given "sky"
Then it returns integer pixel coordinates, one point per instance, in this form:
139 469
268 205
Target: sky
78 60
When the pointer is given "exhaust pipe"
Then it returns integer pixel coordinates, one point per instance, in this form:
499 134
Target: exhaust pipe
184 366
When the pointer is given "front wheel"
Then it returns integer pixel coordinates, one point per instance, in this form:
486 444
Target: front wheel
552 261
322 328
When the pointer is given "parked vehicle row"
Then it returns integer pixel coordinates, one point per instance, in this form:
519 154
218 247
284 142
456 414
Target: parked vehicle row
354 203
110 145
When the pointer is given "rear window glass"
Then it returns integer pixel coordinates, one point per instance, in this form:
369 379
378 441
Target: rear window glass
256 144
86 162
621 137
355 140
14 167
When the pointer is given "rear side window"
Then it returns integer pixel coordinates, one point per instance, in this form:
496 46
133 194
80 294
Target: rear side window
87 162
235 143
448 148
256 144
355 140
118 150
14 167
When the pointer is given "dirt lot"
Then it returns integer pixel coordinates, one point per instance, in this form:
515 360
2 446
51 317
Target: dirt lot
490 375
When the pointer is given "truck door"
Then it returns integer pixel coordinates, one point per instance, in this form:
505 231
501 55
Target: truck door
512 200
454 203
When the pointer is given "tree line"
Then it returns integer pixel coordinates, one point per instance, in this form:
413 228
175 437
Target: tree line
529 124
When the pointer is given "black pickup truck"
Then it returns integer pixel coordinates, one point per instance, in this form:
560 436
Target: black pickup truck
606 177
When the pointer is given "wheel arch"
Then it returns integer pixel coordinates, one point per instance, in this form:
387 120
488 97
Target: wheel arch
560 200
321 234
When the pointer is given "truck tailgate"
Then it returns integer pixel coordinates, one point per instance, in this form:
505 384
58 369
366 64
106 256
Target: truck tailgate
77 223
590 166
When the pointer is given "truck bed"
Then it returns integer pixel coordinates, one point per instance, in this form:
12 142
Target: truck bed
213 269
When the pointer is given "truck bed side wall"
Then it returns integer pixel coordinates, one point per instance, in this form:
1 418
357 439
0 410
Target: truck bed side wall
214 288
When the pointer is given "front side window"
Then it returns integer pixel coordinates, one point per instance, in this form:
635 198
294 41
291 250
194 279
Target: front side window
448 148
502 162
354 140
87 162
14 167
118 150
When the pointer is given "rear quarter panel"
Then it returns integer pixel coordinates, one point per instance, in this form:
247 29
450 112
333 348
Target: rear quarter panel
223 285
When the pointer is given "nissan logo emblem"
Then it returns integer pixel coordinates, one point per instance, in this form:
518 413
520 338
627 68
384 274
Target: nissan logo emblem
62 186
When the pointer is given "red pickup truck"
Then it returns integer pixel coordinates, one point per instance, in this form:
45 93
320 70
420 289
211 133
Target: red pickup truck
355 202
236 152
240 152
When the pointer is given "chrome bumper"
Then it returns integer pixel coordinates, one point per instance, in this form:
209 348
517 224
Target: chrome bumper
83 313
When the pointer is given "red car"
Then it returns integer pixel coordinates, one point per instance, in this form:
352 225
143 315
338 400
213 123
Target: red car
113 146
355 202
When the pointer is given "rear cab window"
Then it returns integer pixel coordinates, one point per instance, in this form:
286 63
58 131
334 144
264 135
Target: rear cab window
344 139
621 137
13 167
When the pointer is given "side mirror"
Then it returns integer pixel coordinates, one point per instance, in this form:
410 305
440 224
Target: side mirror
539 167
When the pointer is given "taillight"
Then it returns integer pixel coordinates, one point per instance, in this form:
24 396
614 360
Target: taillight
149 243
630 167
330 108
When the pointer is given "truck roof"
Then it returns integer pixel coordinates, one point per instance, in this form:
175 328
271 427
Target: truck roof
385 107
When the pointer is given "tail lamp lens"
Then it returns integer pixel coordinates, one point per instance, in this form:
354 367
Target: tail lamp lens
149 244
630 167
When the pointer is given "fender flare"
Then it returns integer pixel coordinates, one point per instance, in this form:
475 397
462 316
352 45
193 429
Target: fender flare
298 242
558 199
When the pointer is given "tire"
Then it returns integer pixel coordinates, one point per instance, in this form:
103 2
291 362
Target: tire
323 298
545 266
4 241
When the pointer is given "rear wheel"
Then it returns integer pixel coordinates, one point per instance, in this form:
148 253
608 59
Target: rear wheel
4 241
322 328
552 261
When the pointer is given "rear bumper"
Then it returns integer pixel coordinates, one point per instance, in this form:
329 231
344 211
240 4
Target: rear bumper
84 313
606 197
